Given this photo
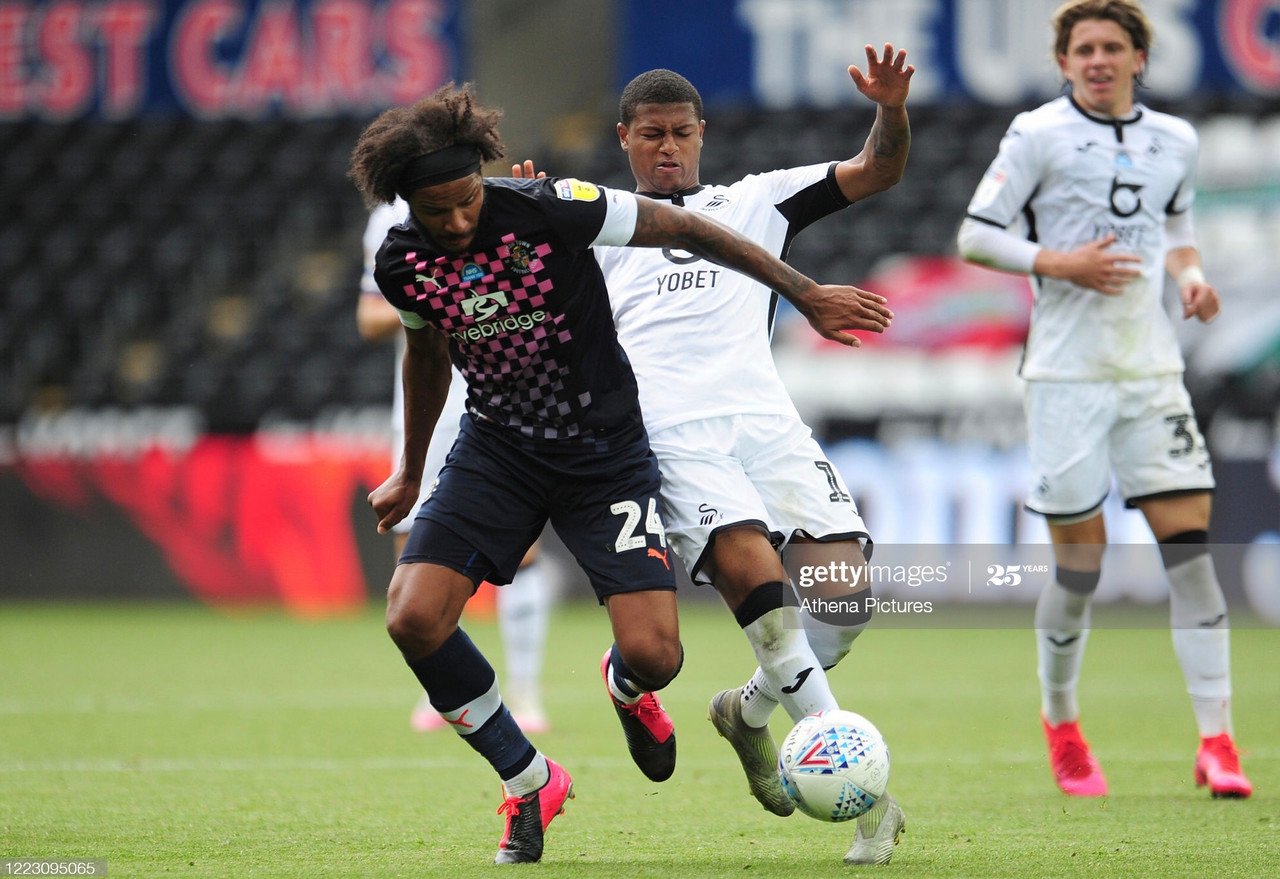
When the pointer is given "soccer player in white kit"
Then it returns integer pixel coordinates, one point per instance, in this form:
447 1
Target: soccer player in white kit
742 476
1091 195
524 604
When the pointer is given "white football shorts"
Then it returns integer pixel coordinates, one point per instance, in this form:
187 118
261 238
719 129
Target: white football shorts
749 469
442 438
1079 432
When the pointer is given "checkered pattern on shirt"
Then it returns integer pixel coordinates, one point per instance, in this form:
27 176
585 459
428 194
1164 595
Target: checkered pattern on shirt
513 375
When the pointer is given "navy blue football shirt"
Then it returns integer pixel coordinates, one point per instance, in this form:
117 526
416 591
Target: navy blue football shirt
526 310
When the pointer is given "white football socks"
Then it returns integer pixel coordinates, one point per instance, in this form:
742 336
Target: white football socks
789 674
1062 628
758 701
830 643
524 610
625 690
1202 641
533 777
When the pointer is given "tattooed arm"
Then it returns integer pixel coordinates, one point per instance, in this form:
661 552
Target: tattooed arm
884 156
829 308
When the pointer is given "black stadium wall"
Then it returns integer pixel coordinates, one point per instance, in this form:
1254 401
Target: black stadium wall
187 410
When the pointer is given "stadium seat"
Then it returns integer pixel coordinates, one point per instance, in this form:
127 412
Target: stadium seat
117 239
1228 151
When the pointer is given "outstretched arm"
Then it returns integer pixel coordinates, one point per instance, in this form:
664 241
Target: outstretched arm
830 309
884 156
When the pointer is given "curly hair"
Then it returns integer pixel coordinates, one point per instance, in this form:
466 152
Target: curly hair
450 116
657 87
1126 13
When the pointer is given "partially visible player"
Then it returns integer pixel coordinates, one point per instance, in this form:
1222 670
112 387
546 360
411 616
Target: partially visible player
497 278
524 604
1091 196
742 476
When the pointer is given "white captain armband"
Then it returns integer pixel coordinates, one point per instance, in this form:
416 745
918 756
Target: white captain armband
998 248
619 219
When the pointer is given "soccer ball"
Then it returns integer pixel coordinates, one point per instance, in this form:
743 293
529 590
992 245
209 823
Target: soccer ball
834 765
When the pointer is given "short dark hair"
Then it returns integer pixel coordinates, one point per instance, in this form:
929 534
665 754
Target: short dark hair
657 87
1126 13
450 116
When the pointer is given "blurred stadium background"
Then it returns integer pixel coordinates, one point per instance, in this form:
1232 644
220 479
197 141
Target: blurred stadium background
186 408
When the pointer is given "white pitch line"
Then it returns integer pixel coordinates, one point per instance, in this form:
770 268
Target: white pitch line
260 764
315 701
386 764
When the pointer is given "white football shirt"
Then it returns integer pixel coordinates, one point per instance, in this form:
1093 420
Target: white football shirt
697 334
1064 177
382 218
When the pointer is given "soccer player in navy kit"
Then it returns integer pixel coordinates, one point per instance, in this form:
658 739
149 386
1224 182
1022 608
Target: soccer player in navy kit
1105 188
497 278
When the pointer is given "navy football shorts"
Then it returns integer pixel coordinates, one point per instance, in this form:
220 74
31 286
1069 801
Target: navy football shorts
495 494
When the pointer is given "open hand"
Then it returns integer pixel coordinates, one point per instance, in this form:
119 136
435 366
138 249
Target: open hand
524 171
888 77
1097 266
833 309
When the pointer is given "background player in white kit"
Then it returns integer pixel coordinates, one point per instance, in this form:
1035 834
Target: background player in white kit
524 604
741 474
1091 196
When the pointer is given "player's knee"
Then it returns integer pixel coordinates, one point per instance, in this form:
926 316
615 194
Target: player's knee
1078 582
653 664
759 601
668 666
841 610
832 631
1183 547
854 614
414 632
415 627
423 608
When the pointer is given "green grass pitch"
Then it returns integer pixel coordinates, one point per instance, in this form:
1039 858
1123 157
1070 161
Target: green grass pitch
175 741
